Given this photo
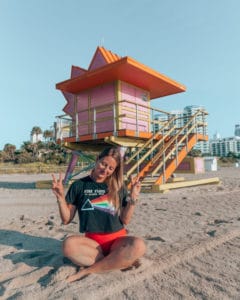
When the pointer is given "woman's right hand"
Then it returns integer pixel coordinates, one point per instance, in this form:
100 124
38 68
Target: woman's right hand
67 211
57 186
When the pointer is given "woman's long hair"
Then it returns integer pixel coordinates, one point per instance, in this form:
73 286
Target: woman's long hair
115 181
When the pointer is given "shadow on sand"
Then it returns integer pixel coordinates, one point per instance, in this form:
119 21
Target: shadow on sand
32 250
36 252
17 185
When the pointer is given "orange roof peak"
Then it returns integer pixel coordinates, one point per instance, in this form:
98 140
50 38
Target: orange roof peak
109 55
102 57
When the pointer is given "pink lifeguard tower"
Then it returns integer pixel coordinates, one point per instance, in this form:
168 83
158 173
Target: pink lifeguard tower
109 103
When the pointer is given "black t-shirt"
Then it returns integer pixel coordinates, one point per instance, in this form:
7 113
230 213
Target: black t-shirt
96 213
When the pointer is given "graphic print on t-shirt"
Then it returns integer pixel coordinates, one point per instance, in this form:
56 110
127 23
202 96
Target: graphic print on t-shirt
100 203
87 205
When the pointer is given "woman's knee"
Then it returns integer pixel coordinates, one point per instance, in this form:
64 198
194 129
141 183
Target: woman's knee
138 247
69 245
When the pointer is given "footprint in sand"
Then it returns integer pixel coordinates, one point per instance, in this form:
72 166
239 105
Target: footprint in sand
219 221
62 273
212 233
154 238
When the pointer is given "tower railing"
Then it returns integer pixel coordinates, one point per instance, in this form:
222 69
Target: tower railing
136 114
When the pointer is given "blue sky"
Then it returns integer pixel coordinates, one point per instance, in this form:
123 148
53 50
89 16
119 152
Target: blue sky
196 43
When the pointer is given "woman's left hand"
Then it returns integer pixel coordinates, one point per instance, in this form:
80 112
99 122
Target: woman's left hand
135 187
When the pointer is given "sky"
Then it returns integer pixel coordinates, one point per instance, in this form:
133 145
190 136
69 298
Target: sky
196 43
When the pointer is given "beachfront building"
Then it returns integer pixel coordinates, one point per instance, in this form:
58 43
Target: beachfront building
223 146
237 130
62 127
35 138
160 118
189 111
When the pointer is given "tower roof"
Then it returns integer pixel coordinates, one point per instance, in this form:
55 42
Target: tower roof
106 67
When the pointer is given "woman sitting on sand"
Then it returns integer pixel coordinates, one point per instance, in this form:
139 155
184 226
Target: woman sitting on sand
104 208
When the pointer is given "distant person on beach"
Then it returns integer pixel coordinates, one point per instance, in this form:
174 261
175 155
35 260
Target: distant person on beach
104 207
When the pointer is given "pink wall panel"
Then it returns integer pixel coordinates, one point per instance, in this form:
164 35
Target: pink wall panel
128 123
104 126
126 104
82 101
137 96
100 127
142 96
102 95
82 116
134 94
132 126
105 114
83 130
127 92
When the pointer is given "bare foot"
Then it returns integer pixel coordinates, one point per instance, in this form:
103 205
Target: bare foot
77 276
135 265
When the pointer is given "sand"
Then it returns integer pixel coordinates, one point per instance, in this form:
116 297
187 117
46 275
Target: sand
192 236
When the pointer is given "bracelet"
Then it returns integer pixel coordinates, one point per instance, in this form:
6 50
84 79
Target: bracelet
131 201
59 201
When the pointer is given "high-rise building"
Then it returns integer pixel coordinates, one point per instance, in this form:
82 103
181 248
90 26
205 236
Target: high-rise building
217 136
237 130
162 118
189 111
222 147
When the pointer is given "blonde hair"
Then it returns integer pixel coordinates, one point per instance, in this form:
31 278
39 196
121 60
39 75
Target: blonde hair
115 181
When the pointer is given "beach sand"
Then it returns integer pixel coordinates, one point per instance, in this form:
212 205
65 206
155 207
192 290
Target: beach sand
192 236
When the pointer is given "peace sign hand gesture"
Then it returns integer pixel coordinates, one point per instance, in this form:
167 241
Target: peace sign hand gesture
57 186
135 187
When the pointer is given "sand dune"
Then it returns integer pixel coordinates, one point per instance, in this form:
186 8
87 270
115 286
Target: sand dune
192 236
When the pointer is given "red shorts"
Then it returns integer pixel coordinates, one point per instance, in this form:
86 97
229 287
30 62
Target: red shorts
105 240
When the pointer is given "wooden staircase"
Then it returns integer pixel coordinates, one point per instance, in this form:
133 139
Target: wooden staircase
158 158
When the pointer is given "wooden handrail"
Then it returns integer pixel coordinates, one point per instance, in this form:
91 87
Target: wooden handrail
149 141
161 141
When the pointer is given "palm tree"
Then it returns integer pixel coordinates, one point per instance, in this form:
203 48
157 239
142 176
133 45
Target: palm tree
10 149
36 131
30 148
47 134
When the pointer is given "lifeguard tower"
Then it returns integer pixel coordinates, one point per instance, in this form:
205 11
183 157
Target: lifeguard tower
109 103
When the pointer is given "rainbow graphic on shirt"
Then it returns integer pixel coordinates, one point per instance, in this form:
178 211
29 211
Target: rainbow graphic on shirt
100 203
